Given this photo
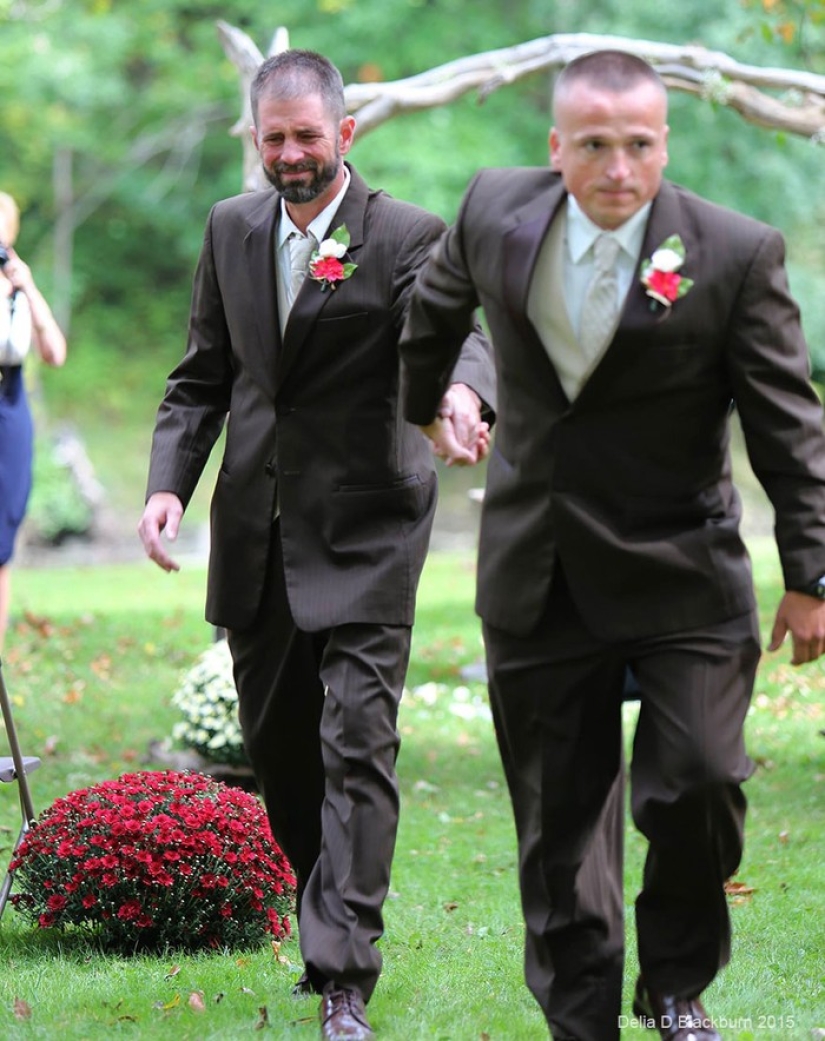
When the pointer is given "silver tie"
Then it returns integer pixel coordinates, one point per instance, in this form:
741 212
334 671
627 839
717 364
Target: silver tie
300 249
600 306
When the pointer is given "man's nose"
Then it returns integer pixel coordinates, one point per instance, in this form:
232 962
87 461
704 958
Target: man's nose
292 153
619 166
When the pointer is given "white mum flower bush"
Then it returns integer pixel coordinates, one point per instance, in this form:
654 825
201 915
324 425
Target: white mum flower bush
208 701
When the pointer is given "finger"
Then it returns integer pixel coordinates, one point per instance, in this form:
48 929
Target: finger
166 562
778 634
806 651
157 552
172 527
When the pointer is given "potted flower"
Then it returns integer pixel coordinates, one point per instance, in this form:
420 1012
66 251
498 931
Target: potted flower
156 860
208 702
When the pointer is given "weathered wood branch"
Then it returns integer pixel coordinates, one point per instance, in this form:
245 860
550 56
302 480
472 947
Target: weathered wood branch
246 57
797 105
695 70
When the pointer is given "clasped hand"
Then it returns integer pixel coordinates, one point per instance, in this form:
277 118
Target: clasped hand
803 617
458 434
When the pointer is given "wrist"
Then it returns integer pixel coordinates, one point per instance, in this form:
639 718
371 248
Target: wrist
816 588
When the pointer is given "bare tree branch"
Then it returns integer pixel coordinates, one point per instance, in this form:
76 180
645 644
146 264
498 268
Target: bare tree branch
243 53
713 76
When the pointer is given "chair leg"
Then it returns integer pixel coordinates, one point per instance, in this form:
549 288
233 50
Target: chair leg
5 890
16 754
26 805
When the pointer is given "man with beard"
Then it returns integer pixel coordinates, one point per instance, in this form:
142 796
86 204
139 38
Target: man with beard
323 505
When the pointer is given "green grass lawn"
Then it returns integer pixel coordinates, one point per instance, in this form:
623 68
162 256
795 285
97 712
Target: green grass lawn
91 662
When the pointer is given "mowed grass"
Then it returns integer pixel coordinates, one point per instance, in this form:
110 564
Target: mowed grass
91 662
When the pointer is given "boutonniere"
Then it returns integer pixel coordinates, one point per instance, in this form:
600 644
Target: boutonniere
326 265
660 274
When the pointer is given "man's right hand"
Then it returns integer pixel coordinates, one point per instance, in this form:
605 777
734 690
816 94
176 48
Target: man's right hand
163 513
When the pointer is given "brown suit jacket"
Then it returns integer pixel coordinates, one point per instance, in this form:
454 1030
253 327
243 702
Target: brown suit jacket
629 486
315 416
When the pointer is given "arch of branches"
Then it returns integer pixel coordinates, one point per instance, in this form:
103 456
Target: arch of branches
779 99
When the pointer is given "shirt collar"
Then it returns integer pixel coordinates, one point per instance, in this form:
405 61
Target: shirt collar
582 232
319 225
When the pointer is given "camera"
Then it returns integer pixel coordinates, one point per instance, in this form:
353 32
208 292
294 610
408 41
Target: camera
4 255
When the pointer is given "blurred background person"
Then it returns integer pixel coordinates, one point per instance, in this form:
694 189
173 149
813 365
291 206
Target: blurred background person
26 322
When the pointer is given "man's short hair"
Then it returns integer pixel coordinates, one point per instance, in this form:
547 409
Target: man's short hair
296 73
611 70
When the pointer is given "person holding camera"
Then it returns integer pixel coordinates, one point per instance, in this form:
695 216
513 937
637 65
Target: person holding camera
26 322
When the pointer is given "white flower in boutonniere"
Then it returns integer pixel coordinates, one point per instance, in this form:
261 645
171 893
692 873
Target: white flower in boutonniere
326 265
660 274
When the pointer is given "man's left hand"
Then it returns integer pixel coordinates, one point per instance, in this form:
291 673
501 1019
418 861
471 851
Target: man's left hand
458 435
803 617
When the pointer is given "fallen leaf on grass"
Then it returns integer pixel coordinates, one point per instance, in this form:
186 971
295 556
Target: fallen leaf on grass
739 892
22 1009
451 905
43 626
170 975
303 1021
263 1018
196 1002
165 1006
101 666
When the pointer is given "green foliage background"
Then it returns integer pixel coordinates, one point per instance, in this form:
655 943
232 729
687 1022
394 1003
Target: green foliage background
138 99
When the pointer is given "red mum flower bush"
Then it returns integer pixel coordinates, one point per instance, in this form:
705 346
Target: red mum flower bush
157 860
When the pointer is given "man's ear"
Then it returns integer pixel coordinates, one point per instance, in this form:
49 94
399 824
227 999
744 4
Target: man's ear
555 146
346 134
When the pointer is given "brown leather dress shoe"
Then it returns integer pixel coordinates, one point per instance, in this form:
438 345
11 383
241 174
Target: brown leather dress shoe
342 1015
676 1019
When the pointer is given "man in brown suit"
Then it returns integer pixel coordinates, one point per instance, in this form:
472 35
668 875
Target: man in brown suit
628 318
324 502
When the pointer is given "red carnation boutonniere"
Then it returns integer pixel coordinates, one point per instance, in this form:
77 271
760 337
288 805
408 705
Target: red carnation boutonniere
660 274
326 265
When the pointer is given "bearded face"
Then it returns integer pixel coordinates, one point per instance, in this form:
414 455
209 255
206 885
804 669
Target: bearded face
304 181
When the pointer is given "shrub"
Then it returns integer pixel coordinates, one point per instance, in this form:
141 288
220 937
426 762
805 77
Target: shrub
208 701
155 860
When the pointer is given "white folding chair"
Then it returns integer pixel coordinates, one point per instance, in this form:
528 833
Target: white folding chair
15 767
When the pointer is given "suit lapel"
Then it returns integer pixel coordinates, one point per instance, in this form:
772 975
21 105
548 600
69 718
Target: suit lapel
312 299
665 220
522 243
259 260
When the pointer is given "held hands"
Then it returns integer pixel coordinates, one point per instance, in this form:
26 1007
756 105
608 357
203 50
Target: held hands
458 435
803 617
163 512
